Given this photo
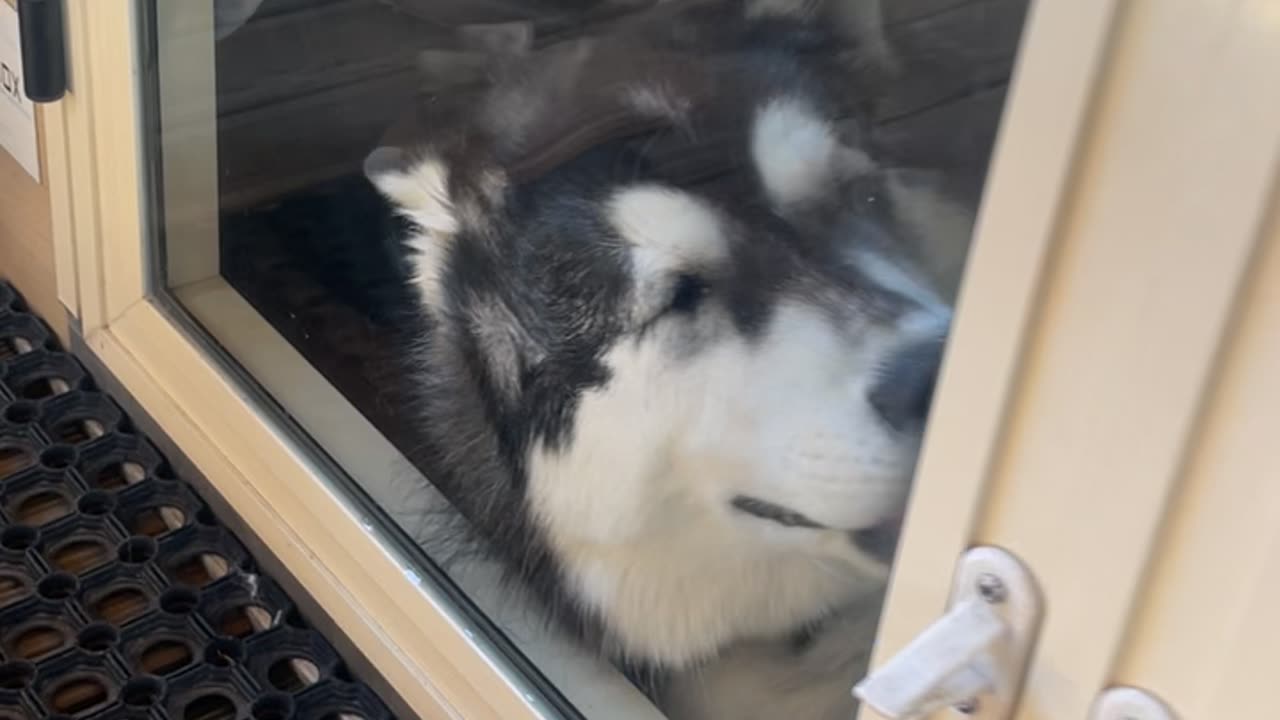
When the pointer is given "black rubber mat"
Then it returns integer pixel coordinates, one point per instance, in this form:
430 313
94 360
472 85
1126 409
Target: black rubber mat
121 595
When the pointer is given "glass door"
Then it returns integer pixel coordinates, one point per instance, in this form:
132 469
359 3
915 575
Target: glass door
574 355
286 147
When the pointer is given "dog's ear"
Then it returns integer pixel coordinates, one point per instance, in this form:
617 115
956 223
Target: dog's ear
417 186
799 155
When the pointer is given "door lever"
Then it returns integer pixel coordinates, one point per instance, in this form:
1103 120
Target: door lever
974 657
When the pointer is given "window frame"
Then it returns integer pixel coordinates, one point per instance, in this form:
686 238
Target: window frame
1061 109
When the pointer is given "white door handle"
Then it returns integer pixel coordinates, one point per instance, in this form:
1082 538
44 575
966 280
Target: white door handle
1127 703
974 657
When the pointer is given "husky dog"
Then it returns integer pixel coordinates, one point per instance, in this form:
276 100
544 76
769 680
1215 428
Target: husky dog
680 346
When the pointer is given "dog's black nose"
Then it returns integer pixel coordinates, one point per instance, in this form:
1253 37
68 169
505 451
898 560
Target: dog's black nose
902 392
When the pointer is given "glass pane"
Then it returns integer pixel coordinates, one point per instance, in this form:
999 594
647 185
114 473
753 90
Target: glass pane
636 304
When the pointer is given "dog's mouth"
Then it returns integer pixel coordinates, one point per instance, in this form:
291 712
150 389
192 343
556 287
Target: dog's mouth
878 541
766 510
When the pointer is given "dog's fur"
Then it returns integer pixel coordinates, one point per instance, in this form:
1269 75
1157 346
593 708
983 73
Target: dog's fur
679 349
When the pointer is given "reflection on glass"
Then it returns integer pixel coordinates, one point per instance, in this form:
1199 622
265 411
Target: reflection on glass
653 292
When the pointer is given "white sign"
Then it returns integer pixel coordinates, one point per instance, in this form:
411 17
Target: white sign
17 114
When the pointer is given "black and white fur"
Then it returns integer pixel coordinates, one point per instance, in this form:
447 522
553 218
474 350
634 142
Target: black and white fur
679 352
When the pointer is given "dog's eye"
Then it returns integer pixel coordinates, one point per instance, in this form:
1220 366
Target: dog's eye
687 294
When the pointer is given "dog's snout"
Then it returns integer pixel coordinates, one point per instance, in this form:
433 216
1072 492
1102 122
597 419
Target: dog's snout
904 389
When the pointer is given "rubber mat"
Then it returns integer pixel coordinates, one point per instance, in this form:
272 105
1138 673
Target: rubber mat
121 595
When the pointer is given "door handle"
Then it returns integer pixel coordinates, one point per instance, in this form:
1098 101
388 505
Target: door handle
972 659
1128 703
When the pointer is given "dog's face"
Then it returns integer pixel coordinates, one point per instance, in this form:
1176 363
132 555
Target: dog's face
755 359
728 363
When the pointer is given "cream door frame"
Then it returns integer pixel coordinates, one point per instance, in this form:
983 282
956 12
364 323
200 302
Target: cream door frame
1081 403
1114 155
